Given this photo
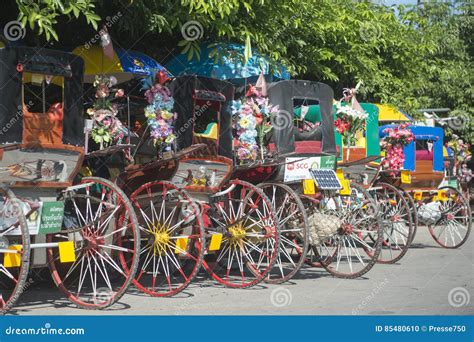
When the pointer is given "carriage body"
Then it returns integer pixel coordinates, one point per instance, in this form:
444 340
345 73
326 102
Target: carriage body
48 217
425 164
42 138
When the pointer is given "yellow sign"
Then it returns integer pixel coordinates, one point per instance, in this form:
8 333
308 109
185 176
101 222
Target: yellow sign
309 188
216 241
13 259
66 251
406 177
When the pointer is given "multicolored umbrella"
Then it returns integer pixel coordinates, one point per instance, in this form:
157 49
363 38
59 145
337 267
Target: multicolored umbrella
230 66
124 65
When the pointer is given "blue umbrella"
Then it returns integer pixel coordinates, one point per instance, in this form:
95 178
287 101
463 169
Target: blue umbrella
229 67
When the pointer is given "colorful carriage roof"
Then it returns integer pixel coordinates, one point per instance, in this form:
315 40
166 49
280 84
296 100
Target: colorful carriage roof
283 94
16 60
186 90
422 133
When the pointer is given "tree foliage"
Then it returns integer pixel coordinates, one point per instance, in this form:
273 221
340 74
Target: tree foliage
412 57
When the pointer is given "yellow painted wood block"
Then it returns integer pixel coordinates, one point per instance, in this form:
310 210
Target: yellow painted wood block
442 195
13 259
309 188
216 240
406 177
346 187
66 251
181 245
418 195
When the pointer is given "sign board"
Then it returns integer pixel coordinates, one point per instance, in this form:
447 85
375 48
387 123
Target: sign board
51 217
297 168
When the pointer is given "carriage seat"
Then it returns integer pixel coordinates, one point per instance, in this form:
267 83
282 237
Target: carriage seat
424 155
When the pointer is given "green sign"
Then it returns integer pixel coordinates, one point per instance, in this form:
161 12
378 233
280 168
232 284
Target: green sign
328 162
51 217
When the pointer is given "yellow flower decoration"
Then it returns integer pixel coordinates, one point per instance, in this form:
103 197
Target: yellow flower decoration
244 122
166 115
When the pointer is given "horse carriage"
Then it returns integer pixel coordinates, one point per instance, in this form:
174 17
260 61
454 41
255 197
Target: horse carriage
359 163
85 230
191 208
437 201
333 223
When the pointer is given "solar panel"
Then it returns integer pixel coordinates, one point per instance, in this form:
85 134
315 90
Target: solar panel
326 179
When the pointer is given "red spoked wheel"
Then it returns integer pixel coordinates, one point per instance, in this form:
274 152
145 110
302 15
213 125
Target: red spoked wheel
172 231
453 227
293 227
397 225
243 235
354 249
93 259
14 249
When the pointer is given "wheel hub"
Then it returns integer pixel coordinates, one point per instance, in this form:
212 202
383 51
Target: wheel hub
237 233
160 239
93 242
346 229
450 216
395 218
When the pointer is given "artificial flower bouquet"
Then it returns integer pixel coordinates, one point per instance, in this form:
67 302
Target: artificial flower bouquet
252 121
349 121
393 143
160 115
107 128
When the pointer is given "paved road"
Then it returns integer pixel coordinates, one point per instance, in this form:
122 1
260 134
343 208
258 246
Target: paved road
419 284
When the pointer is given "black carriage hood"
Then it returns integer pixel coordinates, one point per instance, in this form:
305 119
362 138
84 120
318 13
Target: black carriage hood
184 88
15 60
282 94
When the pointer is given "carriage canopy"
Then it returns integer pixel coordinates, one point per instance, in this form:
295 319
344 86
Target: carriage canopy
287 94
202 103
40 87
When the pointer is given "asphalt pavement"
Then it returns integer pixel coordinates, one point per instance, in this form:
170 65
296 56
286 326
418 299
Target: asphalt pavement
429 280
